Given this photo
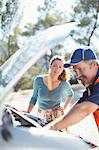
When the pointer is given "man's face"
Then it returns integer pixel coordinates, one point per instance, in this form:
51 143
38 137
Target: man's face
85 72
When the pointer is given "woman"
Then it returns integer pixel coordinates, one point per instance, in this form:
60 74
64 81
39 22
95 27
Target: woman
50 90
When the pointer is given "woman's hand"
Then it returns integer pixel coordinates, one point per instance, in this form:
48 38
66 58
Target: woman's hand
61 108
23 111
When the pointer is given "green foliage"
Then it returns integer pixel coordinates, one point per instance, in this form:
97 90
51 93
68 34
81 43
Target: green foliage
28 30
77 9
9 19
26 82
3 51
2 60
47 8
86 12
89 5
85 21
81 41
8 11
49 16
12 42
48 21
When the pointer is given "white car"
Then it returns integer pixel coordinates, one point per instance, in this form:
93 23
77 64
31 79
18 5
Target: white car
29 134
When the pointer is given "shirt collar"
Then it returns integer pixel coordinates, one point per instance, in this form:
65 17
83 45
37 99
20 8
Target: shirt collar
97 76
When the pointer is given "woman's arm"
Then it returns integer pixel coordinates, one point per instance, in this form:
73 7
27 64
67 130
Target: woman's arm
68 101
68 94
30 107
34 96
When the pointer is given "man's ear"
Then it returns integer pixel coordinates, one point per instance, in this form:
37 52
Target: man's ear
94 63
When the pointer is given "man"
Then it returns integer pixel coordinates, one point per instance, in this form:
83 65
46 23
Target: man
86 67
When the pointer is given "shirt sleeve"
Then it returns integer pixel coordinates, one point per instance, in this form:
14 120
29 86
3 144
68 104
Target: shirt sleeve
94 97
67 91
85 94
35 92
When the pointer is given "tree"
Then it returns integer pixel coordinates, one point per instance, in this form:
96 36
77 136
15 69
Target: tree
49 16
10 15
87 13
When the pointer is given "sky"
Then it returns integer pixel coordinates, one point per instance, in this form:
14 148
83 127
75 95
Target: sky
30 14
30 8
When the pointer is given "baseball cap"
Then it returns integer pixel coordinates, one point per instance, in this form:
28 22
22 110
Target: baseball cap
79 55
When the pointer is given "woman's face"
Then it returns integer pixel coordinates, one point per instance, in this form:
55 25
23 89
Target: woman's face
57 67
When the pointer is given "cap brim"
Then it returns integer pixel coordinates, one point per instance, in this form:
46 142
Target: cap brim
67 65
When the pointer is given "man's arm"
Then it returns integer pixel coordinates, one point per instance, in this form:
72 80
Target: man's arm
75 115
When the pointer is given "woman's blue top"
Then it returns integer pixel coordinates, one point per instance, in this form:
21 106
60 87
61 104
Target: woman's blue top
48 99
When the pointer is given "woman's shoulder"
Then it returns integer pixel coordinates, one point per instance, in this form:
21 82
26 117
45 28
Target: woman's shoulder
65 83
39 78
